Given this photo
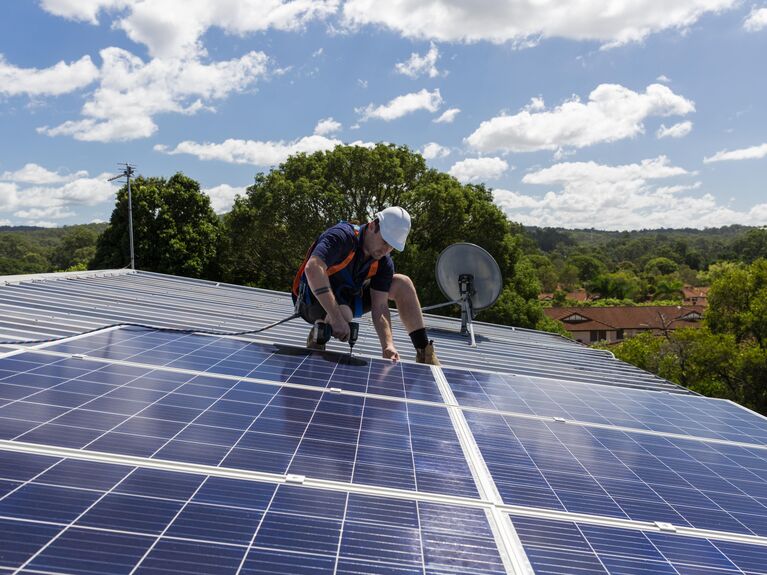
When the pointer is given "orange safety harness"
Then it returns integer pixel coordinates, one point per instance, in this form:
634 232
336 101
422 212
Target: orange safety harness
334 269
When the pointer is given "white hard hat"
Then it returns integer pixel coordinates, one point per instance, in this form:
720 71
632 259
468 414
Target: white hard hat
395 226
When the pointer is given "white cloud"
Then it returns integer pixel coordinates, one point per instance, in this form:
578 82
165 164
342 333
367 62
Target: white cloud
536 105
33 196
478 169
173 28
60 78
132 92
509 201
752 153
5 222
327 126
663 79
612 113
257 153
35 174
8 196
403 105
222 197
417 65
757 20
54 212
447 116
624 197
433 150
523 22
679 130
82 10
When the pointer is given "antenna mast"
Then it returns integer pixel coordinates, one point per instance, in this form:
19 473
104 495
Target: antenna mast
128 170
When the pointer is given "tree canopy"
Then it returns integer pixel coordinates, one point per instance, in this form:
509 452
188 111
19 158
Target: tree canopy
175 229
270 228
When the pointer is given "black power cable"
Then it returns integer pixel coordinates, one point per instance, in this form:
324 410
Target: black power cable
156 328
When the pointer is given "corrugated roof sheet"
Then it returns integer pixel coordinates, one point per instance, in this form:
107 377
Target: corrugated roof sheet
55 305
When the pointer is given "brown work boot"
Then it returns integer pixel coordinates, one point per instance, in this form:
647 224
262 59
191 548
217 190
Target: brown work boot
426 355
311 342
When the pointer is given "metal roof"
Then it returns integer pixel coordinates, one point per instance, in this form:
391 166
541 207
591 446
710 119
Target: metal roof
64 304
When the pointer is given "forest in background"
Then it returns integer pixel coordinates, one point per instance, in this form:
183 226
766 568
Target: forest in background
573 258
30 250
635 267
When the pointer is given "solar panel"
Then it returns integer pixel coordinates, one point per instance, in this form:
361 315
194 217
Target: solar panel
259 361
627 475
563 547
225 422
71 516
650 410
403 488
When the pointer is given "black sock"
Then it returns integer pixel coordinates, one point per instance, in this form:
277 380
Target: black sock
419 338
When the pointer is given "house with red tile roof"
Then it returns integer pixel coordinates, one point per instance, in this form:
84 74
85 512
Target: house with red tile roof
614 324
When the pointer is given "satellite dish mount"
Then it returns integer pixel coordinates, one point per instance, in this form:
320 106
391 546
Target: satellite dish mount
469 277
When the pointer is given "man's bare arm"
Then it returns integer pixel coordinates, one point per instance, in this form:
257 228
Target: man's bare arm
379 303
319 283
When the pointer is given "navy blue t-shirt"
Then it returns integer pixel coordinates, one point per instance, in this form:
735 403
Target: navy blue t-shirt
334 245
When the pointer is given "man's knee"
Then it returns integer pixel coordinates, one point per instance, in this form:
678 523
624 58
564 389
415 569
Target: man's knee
401 286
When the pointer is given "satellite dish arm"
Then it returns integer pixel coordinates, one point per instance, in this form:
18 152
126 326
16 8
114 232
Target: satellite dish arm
439 305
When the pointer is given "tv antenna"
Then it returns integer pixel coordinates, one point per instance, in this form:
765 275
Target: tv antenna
469 277
128 170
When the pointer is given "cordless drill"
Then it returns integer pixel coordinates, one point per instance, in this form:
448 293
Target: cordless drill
323 332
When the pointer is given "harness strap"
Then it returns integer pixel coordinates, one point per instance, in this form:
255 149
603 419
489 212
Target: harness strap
334 269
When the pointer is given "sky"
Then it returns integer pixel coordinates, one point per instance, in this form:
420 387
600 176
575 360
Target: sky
620 115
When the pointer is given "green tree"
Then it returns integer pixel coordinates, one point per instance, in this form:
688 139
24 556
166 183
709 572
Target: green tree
618 285
752 245
667 288
20 256
270 228
589 267
738 302
77 248
545 271
175 229
661 266
568 276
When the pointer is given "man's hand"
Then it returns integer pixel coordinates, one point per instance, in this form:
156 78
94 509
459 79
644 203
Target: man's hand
390 352
340 328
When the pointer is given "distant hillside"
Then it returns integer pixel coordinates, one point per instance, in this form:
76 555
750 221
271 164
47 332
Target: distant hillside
25 249
51 232
692 247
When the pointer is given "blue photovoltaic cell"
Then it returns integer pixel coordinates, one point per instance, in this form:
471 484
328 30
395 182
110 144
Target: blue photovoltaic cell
261 361
629 475
564 548
652 410
224 422
105 519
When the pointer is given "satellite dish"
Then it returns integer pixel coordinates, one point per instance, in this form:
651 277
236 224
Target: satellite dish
470 277
464 259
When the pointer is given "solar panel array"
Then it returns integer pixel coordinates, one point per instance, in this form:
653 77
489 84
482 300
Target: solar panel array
136 451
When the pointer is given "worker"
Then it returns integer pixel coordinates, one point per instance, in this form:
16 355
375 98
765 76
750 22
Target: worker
348 271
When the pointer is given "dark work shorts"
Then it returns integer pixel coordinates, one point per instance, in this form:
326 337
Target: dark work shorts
312 311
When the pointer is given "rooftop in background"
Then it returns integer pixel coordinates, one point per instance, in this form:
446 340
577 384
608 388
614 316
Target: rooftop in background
56 305
695 295
615 323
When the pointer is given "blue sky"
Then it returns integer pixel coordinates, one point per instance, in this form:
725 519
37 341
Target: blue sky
622 115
